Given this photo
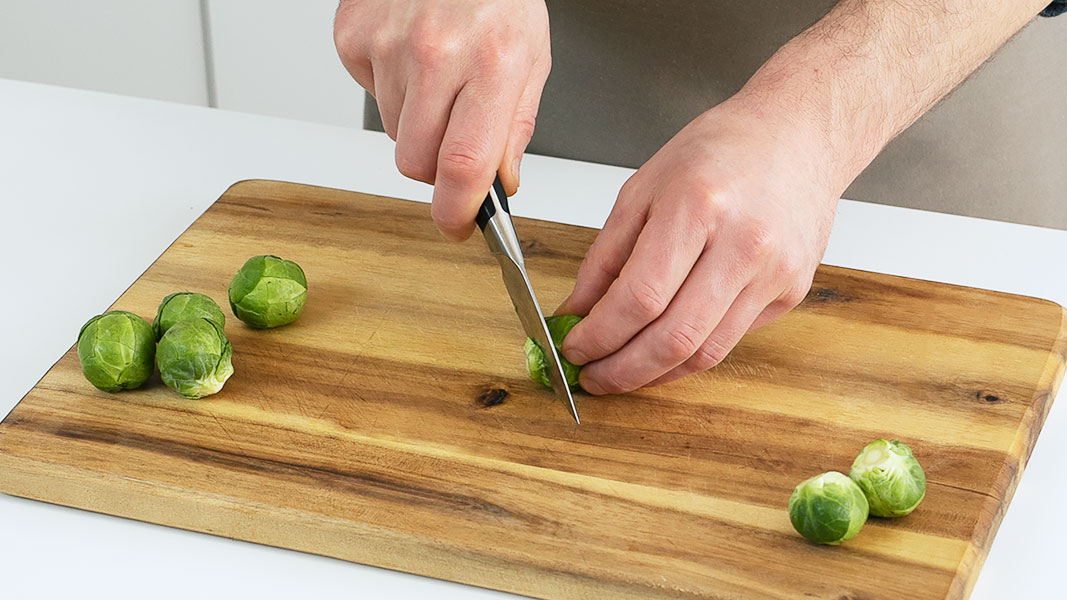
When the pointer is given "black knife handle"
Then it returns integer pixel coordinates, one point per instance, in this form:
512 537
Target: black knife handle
488 208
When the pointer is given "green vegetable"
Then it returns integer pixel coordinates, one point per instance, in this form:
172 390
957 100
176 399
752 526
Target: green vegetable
194 358
268 292
186 305
116 350
558 328
890 476
828 508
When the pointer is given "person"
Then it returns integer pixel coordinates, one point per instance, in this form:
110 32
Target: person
721 230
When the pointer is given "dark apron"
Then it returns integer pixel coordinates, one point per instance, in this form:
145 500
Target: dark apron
628 74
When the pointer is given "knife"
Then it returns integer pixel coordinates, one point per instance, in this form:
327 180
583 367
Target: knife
494 219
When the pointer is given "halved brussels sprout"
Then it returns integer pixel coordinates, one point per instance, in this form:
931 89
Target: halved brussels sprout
890 476
828 508
558 328
186 305
116 350
194 358
268 292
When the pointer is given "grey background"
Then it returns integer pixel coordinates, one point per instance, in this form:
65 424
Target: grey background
628 74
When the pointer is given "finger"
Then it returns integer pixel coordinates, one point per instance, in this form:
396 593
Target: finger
471 152
362 73
664 254
609 252
768 315
389 95
783 304
421 126
522 129
350 41
708 294
733 326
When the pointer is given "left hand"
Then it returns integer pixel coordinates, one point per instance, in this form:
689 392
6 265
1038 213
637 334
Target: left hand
717 234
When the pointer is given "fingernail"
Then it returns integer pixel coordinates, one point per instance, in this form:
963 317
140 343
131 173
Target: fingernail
515 169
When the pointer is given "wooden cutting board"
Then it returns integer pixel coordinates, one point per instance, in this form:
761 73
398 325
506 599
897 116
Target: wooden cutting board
393 423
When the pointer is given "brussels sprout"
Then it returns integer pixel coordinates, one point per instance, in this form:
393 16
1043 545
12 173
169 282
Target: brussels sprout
268 292
186 305
558 328
194 358
828 508
890 476
116 350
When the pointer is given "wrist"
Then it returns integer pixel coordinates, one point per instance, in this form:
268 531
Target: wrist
868 70
800 90
844 79
795 135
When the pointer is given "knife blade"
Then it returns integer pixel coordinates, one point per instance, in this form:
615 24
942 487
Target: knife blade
494 219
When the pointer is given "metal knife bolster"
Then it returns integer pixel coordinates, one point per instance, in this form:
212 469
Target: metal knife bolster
494 219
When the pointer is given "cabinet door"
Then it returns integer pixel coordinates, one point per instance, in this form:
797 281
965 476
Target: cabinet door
150 49
276 57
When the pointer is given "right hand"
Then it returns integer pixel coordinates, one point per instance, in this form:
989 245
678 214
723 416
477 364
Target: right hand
458 83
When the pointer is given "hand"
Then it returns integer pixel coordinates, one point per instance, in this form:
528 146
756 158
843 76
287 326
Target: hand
458 83
717 234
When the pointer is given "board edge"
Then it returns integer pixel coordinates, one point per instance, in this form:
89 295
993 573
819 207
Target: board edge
1026 434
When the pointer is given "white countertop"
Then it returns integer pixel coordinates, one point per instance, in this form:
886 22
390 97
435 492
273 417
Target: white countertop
94 187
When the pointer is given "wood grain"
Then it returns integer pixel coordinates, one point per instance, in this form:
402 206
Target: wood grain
393 424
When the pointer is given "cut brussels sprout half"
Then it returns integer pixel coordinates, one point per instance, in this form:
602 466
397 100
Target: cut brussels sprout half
180 306
558 328
828 508
268 292
116 350
890 476
194 358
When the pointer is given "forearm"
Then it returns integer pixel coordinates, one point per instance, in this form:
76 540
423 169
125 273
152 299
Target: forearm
870 68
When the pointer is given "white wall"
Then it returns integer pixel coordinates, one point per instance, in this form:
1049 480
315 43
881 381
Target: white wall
276 57
272 57
152 49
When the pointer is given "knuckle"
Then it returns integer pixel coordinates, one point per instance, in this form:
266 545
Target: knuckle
615 383
647 301
341 37
462 159
352 47
343 33
761 239
796 294
596 266
523 127
710 353
598 344
495 58
412 165
795 266
758 242
431 47
792 299
788 265
379 49
630 187
707 208
631 208
427 52
681 342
